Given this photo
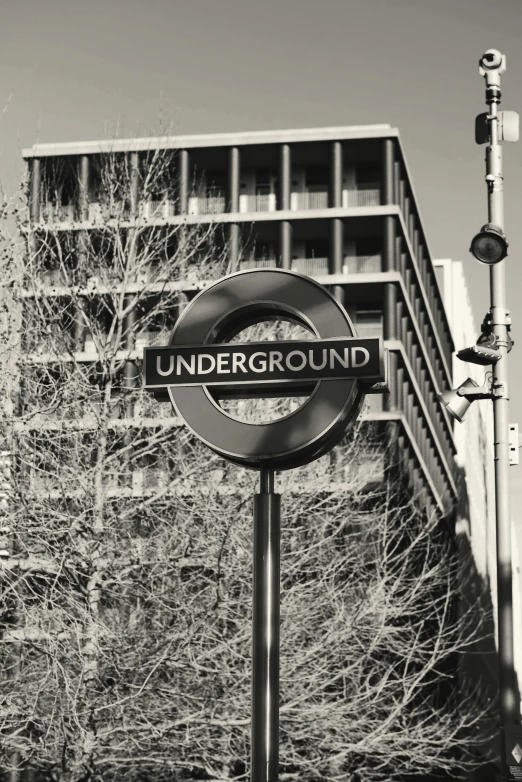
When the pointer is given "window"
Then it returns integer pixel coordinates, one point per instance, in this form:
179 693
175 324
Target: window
317 248
316 179
367 176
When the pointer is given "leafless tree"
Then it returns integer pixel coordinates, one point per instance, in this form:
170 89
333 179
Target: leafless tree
125 608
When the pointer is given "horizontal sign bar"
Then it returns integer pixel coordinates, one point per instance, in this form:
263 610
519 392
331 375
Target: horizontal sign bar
256 363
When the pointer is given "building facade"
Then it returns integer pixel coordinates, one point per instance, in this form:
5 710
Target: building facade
335 203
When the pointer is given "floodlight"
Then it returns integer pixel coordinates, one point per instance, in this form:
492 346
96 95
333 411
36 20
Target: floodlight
455 401
489 245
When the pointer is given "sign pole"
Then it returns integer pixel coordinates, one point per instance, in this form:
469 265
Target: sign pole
199 367
265 632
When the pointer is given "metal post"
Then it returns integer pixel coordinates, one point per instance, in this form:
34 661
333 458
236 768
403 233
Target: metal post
265 632
499 319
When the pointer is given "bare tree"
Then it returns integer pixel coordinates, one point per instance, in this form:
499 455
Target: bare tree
125 609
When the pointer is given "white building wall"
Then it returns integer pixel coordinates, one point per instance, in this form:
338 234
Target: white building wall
474 438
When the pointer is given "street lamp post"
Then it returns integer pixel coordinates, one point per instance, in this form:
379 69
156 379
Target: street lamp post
492 65
489 246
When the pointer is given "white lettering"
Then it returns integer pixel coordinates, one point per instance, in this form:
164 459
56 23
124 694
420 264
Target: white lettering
212 366
191 368
311 360
222 363
344 362
238 360
160 371
275 357
364 361
262 364
289 363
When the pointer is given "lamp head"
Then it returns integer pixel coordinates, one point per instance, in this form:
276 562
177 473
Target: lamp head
489 245
455 401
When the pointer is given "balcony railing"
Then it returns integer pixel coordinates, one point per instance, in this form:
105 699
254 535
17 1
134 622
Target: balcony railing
314 267
369 329
258 203
53 213
155 209
373 403
156 272
208 205
101 211
53 278
203 205
309 201
362 264
361 198
146 339
262 263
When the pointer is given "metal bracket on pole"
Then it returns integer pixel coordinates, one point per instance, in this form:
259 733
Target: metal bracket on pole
514 455
500 316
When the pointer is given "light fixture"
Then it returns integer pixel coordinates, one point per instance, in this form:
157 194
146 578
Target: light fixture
455 401
489 246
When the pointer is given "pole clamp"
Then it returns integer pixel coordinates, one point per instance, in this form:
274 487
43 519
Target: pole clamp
498 316
499 390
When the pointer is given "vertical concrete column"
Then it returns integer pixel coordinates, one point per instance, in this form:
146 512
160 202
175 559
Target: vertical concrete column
134 183
390 289
83 216
399 259
183 190
134 193
396 182
233 179
184 165
392 380
387 171
79 326
388 244
335 262
233 205
34 206
285 176
83 194
131 382
336 174
406 211
233 246
285 244
130 370
402 195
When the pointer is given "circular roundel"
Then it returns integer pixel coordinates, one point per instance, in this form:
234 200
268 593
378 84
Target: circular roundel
227 307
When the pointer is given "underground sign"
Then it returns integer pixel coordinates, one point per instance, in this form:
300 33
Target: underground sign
200 365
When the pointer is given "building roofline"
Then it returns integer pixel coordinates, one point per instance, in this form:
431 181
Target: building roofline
211 140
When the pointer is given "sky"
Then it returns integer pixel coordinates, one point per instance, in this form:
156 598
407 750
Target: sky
72 70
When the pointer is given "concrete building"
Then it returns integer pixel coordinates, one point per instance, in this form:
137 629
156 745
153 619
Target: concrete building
335 203
474 438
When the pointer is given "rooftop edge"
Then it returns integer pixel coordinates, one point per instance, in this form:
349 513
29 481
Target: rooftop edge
191 141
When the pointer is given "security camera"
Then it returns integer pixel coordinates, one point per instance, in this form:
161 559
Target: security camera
492 65
491 59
